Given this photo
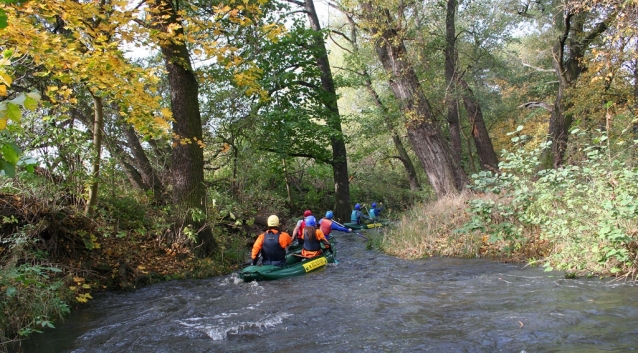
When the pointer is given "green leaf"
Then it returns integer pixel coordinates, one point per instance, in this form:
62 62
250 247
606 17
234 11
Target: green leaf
3 19
11 153
30 103
8 168
13 112
11 291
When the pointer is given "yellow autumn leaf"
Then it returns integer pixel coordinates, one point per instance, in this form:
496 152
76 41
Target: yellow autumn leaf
167 113
3 90
3 123
78 279
6 79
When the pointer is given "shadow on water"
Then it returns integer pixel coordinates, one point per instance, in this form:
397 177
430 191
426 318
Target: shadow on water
368 302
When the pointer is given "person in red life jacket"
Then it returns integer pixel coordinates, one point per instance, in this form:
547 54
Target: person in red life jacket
297 234
327 225
272 244
313 238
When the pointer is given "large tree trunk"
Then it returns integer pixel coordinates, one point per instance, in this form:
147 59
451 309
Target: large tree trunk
482 140
387 122
339 160
189 193
568 53
98 123
396 139
451 97
444 174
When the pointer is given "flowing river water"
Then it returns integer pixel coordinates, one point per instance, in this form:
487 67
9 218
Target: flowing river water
367 302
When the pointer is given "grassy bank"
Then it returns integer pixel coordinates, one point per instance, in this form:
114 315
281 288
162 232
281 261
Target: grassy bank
581 219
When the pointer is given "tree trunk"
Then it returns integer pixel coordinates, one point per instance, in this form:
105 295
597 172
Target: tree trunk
398 144
189 193
396 139
635 123
568 53
144 167
444 174
451 96
339 157
98 123
482 141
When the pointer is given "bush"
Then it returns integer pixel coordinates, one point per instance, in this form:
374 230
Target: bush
587 212
31 297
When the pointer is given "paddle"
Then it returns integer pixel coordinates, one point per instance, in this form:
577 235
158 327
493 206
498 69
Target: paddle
250 263
357 233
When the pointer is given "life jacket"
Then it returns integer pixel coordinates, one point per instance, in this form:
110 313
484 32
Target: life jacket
311 244
373 213
326 226
354 217
301 228
271 250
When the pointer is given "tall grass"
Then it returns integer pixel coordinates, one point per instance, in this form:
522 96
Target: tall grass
429 230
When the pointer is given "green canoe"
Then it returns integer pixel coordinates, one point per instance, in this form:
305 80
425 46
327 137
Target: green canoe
295 265
376 224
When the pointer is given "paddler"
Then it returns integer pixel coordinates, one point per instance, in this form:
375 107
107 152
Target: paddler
313 238
357 216
297 233
272 244
327 225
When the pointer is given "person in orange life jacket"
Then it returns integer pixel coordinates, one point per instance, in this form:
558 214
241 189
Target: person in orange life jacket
374 211
313 238
357 216
327 225
272 244
297 234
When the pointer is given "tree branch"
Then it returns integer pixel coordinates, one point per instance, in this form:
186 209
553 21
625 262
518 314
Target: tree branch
537 68
543 105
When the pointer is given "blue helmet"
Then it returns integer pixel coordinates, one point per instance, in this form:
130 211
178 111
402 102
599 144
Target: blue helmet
329 215
357 207
374 204
311 221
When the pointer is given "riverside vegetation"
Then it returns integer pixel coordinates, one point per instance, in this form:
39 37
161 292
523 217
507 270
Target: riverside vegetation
118 172
581 219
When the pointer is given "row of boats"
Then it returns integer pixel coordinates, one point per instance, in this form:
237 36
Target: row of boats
295 263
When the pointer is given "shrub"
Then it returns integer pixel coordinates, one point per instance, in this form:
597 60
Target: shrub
587 212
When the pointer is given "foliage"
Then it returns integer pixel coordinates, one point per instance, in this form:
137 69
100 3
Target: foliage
32 295
587 212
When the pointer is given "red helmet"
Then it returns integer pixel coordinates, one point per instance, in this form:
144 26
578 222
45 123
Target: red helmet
307 213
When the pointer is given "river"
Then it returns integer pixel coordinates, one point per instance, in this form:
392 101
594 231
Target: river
367 302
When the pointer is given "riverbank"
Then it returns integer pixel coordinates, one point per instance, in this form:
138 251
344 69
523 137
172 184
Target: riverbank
493 226
54 260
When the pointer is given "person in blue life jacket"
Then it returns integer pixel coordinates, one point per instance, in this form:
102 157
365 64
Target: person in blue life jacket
272 244
357 216
327 225
375 211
